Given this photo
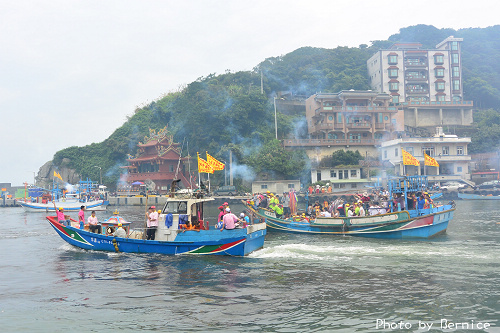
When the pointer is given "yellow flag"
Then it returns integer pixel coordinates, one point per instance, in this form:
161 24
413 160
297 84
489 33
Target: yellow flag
216 165
203 165
409 159
57 175
430 161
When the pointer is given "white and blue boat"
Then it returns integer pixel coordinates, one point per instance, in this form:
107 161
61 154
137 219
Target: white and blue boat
169 237
401 224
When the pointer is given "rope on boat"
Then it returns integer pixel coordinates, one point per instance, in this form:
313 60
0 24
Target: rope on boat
115 244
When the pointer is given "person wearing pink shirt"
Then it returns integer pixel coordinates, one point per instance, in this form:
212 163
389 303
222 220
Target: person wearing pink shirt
229 221
81 217
94 223
152 223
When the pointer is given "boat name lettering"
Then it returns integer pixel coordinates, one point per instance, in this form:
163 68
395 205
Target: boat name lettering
270 214
100 241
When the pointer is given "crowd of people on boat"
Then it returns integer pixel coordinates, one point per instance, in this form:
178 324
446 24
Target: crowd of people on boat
360 204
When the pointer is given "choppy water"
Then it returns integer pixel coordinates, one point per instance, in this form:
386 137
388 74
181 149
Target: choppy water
297 283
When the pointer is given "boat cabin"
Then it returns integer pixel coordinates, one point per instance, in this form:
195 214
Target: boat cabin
179 211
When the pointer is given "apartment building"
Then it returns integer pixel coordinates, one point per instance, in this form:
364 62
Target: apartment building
425 83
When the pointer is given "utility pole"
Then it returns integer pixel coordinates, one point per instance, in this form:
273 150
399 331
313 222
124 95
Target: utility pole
231 167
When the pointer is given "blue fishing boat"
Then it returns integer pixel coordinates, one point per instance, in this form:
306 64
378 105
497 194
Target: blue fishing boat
467 196
414 223
170 238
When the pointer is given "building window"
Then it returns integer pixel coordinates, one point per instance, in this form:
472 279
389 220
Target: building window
394 86
446 150
439 72
263 187
428 150
380 117
454 46
333 174
354 173
456 84
393 72
395 99
410 150
318 176
438 59
330 118
440 86
460 150
354 185
456 71
459 169
454 58
396 152
339 118
440 98
171 168
291 185
385 154
346 174
393 59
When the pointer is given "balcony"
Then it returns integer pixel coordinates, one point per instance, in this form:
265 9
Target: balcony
459 103
366 109
330 142
417 91
415 63
359 125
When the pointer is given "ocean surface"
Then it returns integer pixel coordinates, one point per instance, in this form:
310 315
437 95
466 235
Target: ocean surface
296 283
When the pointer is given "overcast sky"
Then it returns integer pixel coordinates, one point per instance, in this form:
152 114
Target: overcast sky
71 71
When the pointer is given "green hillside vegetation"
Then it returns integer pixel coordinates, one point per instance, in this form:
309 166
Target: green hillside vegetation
218 113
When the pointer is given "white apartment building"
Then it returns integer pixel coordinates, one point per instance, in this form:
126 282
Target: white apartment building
449 151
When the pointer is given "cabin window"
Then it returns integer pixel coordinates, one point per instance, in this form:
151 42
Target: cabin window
175 207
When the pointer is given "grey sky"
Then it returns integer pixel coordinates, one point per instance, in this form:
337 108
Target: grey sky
71 71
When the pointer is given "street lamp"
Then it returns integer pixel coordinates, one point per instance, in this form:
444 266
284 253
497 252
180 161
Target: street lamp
100 174
275 119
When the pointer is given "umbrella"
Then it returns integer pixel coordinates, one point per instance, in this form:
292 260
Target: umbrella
137 183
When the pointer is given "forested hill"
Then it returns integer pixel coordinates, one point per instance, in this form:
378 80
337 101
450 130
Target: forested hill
227 111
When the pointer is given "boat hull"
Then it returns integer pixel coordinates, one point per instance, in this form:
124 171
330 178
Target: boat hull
237 242
67 205
423 223
467 196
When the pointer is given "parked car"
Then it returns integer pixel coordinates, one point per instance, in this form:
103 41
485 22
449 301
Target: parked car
453 186
226 190
490 184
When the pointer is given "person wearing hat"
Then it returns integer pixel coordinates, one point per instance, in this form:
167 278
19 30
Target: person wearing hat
120 232
229 221
244 217
63 219
152 224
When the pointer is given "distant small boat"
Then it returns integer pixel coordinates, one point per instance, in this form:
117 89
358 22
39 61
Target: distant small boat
467 196
69 204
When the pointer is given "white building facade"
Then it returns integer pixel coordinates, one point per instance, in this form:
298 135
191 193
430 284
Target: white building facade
450 151
340 178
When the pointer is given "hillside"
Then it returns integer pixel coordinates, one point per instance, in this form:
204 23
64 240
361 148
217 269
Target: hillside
221 112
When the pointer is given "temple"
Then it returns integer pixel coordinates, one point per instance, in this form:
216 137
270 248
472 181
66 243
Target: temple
158 159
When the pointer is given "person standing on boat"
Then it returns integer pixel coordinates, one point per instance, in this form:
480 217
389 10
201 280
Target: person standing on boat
94 223
81 217
152 217
286 205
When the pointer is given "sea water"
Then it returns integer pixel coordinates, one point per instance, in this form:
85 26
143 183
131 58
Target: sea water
296 283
